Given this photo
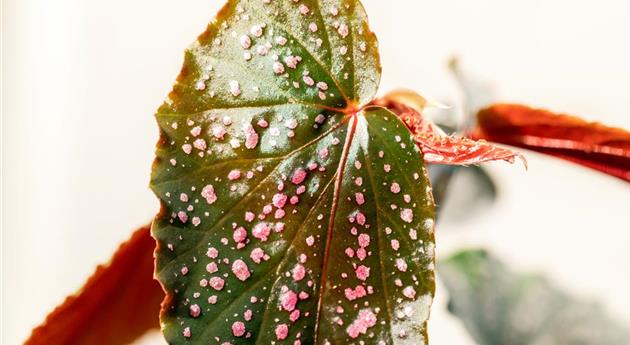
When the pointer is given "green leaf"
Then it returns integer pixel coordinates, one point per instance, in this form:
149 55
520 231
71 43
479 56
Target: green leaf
499 306
461 193
477 94
290 214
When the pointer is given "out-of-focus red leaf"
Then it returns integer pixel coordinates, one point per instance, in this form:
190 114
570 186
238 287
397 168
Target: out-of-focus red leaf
119 303
590 144
440 148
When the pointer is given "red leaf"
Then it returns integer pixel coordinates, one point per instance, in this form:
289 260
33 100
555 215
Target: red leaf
440 148
119 303
590 144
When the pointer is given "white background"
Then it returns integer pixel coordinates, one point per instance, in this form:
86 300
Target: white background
81 80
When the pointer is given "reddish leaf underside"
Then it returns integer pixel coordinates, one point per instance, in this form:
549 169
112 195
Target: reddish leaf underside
440 148
594 145
119 302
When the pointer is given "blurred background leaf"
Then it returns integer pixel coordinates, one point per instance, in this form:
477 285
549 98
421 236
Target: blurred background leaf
460 193
501 307
476 93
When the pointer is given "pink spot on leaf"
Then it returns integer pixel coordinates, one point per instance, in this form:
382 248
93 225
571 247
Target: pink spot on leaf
282 331
298 176
352 294
240 270
212 267
251 137
395 188
401 264
288 300
195 310
409 292
257 255
365 320
295 315
279 200
310 241
406 215
187 148
298 272
216 283
261 231
364 240
234 175
212 253
183 216
362 272
360 218
200 144
240 234
359 198
208 193
238 329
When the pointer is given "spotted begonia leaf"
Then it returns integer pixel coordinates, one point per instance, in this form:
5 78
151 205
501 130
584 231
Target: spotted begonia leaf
292 211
